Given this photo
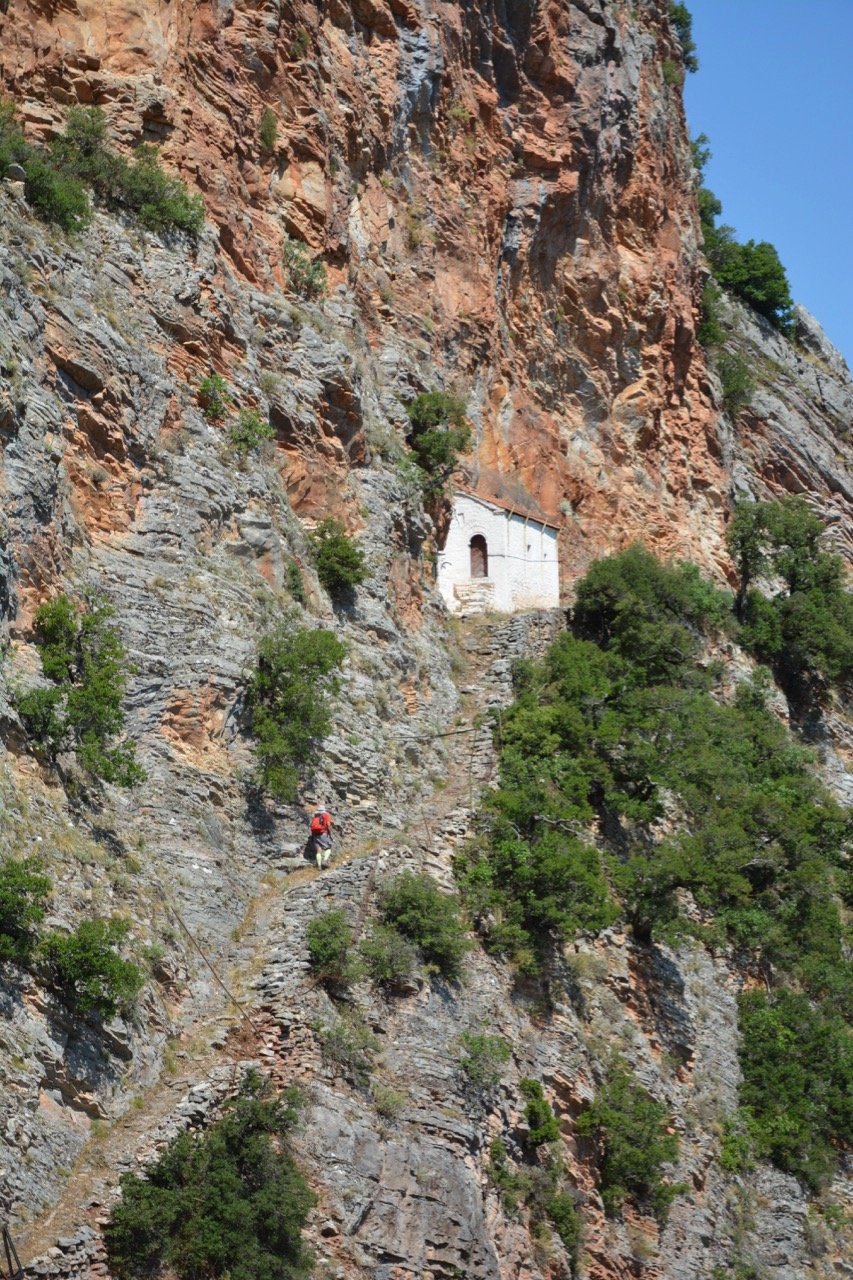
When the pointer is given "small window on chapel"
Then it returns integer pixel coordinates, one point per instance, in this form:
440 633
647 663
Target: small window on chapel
479 557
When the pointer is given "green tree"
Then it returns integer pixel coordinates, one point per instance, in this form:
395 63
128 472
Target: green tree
330 945
227 1202
439 435
250 432
484 1058
86 968
682 21
805 632
415 906
289 701
83 655
23 891
542 1124
214 397
746 542
390 959
736 381
797 1088
629 1130
341 563
304 276
56 197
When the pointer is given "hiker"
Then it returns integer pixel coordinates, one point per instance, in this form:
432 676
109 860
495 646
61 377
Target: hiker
321 836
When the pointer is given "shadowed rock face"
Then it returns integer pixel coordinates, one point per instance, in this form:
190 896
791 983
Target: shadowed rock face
503 198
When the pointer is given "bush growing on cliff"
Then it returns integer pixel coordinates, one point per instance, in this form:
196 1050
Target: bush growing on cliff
797 1064
214 397
229 1201
56 176
540 1190
23 891
306 278
289 703
805 632
390 959
484 1058
629 1131
542 1124
682 21
88 971
55 197
249 432
84 658
439 435
340 561
415 906
330 944
159 200
267 131
736 381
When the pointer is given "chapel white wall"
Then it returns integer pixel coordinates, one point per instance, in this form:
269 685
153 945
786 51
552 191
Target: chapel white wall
523 569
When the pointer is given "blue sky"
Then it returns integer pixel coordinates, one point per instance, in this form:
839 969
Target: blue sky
774 94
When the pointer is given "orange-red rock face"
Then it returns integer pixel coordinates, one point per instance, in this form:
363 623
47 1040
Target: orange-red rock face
505 190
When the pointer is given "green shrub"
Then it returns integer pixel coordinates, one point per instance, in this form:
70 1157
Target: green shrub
329 939
543 1125
228 1202
682 21
250 432
711 332
629 1131
511 1185
57 176
288 699
672 72
214 397
267 131
417 908
797 1087
538 1189
300 44
340 560
439 435
391 959
351 1047
389 1103
306 278
296 583
806 631
56 197
737 1145
83 655
736 381
649 612
563 1214
88 971
23 890
754 273
484 1058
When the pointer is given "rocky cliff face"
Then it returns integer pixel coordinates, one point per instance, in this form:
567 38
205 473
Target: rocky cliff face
502 195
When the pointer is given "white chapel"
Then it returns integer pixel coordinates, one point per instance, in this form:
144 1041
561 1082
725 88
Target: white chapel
497 557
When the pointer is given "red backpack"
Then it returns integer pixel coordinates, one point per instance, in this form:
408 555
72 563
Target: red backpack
319 824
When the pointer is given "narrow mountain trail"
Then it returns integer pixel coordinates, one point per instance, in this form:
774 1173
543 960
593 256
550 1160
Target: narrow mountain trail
262 1011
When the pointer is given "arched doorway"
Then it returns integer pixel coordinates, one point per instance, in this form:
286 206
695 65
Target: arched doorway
479 557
